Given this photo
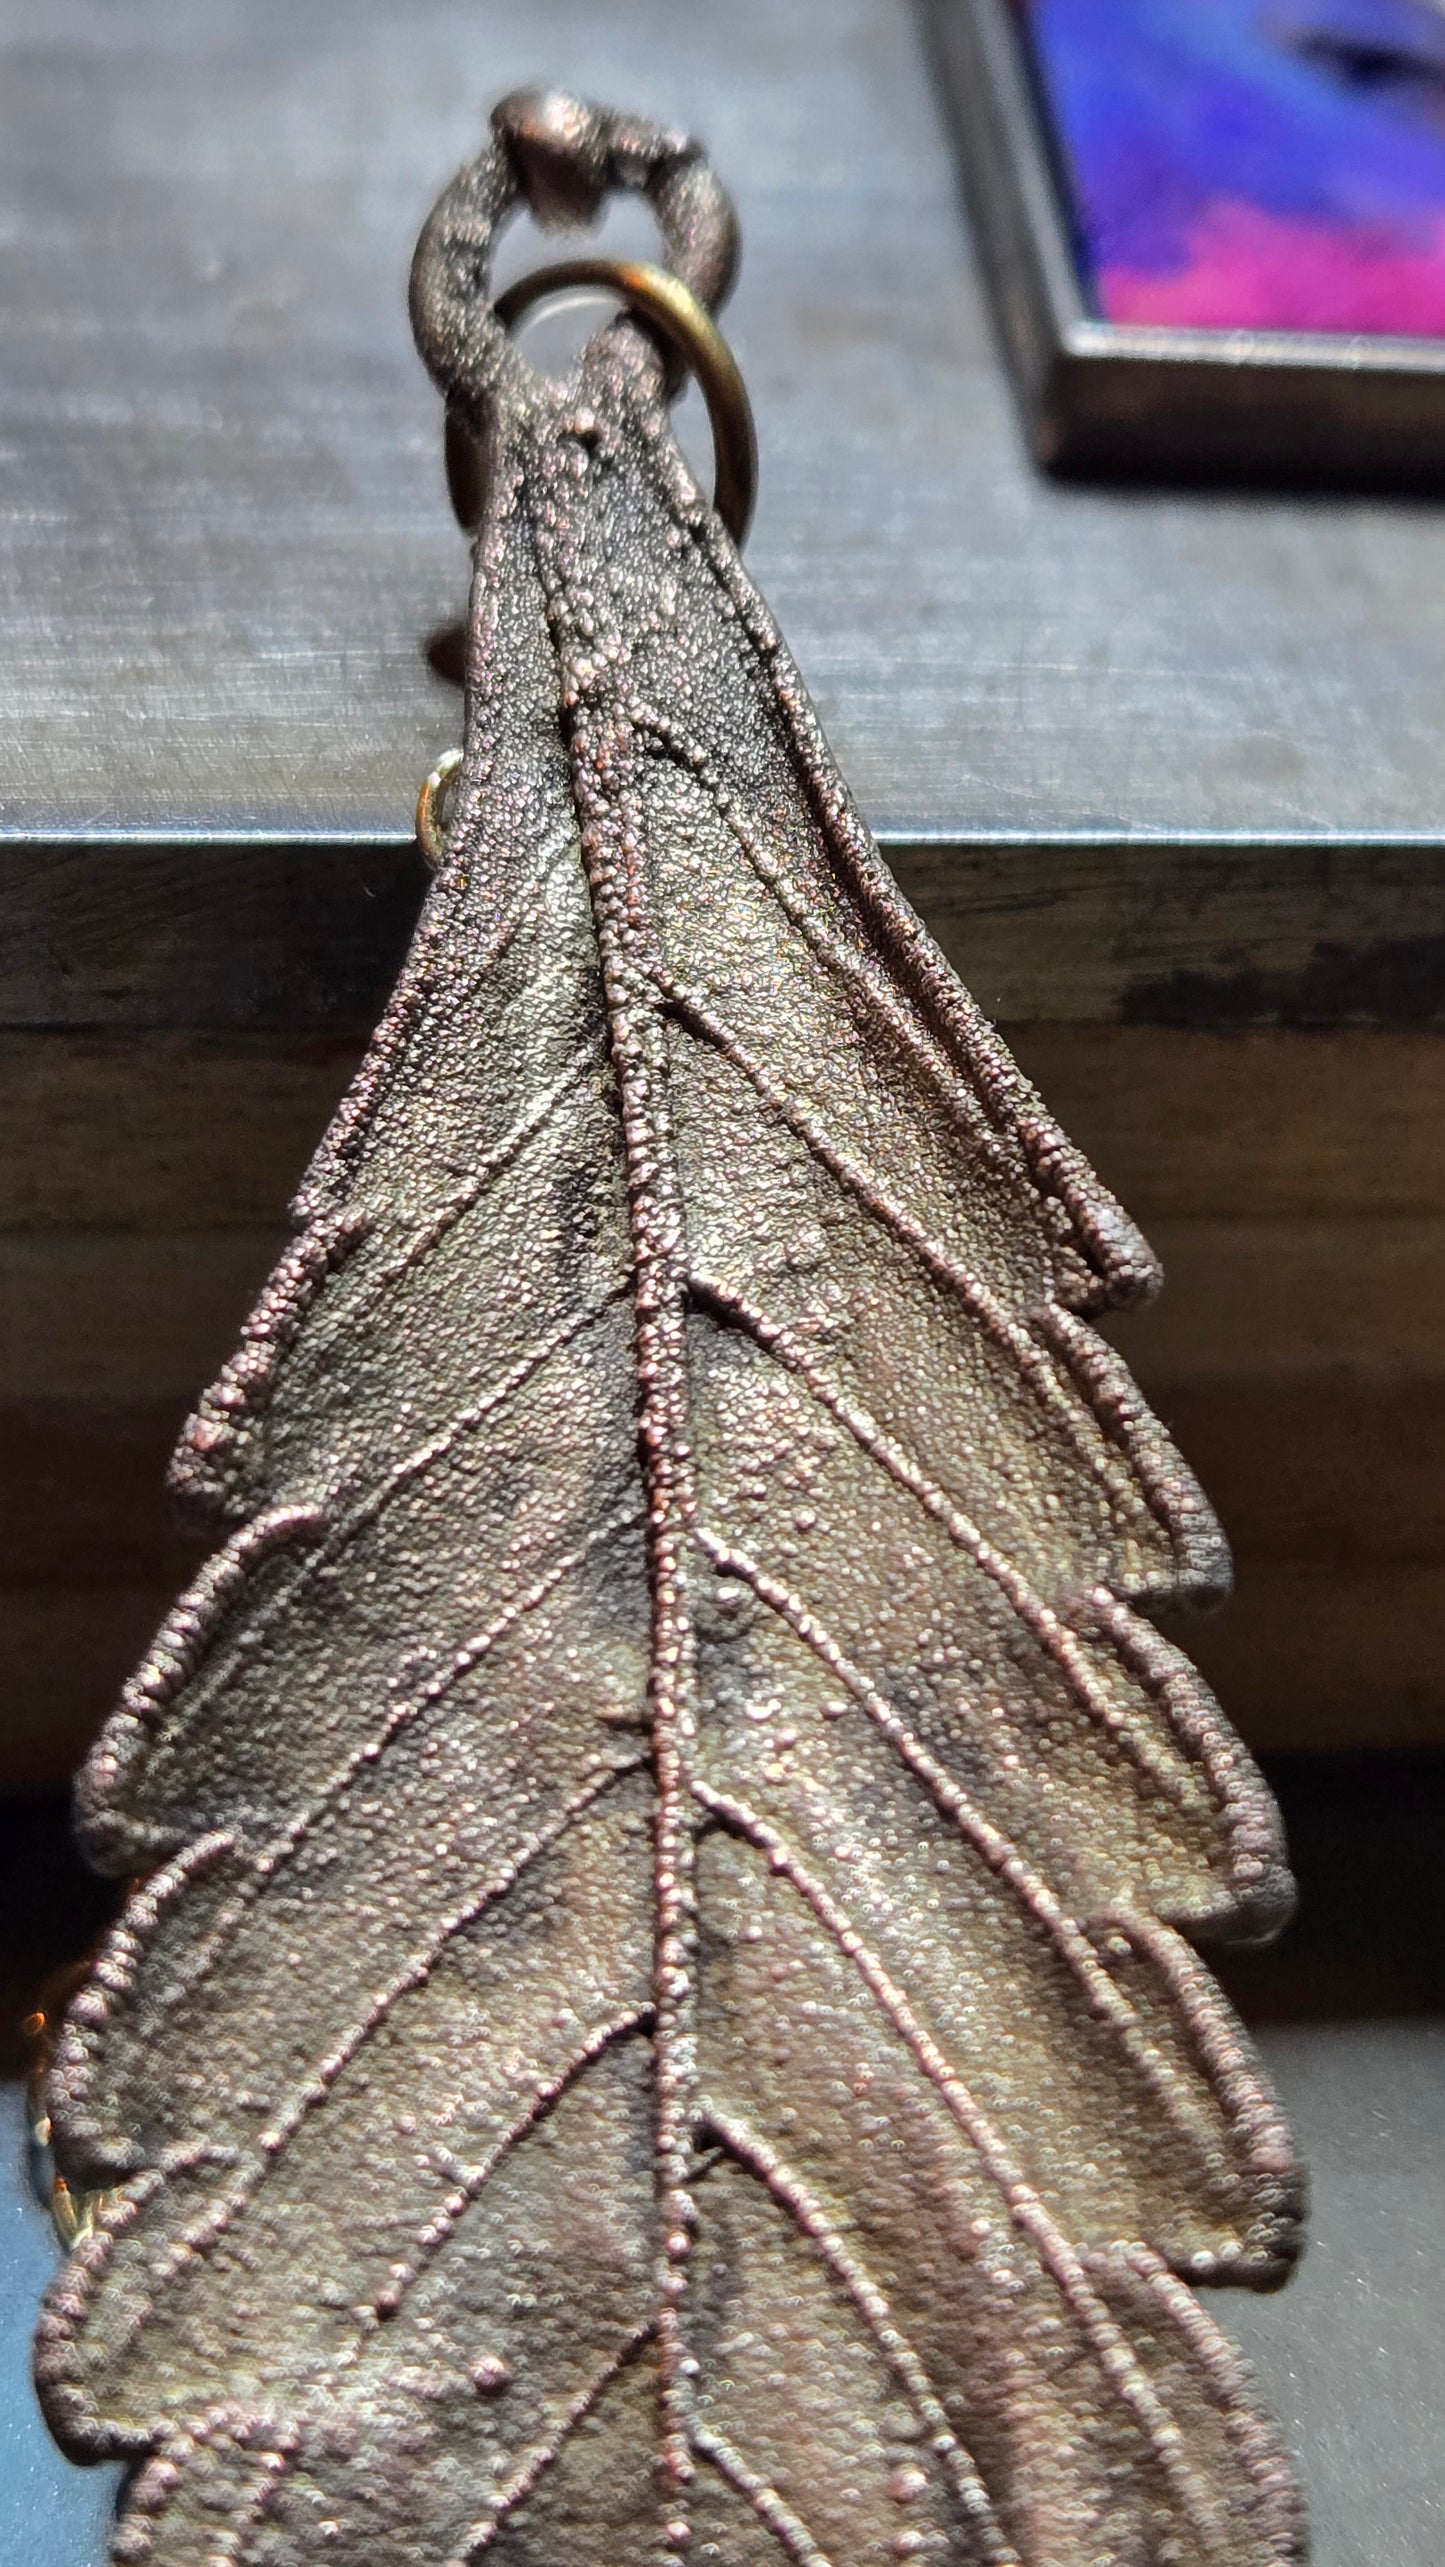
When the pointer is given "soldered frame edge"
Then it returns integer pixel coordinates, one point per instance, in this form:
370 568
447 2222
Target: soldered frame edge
1107 398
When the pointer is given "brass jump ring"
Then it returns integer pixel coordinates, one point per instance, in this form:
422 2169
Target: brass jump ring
672 307
430 834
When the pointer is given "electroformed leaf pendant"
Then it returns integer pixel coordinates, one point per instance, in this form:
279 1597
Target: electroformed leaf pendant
658 2021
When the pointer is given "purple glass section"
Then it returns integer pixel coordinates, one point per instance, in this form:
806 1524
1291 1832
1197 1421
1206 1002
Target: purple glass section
1253 164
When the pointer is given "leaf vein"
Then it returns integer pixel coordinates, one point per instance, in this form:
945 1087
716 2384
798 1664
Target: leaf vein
893 1458
998 1850
475 1186
850 2271
862 978
1034 1361
374 1500
791 2534
430 2240
204 2234
273 1857
1057 2255
544 2455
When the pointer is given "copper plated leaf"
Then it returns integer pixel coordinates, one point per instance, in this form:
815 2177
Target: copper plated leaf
659 2013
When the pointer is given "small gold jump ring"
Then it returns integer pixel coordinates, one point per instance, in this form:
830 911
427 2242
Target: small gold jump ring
672 307
430 832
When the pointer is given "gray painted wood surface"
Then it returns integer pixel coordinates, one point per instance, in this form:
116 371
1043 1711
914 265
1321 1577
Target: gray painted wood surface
224 542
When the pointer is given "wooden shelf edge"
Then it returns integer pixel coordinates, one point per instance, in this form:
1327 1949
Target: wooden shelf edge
253 929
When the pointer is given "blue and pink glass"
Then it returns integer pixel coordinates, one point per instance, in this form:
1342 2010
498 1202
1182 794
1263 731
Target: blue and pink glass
1252 164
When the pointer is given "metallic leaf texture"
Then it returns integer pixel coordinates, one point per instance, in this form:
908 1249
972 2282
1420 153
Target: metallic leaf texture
657 2019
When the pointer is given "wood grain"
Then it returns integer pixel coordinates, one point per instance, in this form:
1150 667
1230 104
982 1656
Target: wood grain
98 1314
64 1652
166 1130
138 1315
1260 1125
225 521
1317 1658
1293 1183
225 933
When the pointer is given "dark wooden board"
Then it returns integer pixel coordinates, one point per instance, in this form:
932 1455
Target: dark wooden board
128 932
1294 1184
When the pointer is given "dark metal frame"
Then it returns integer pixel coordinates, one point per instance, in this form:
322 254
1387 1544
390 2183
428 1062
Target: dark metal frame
1101 396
